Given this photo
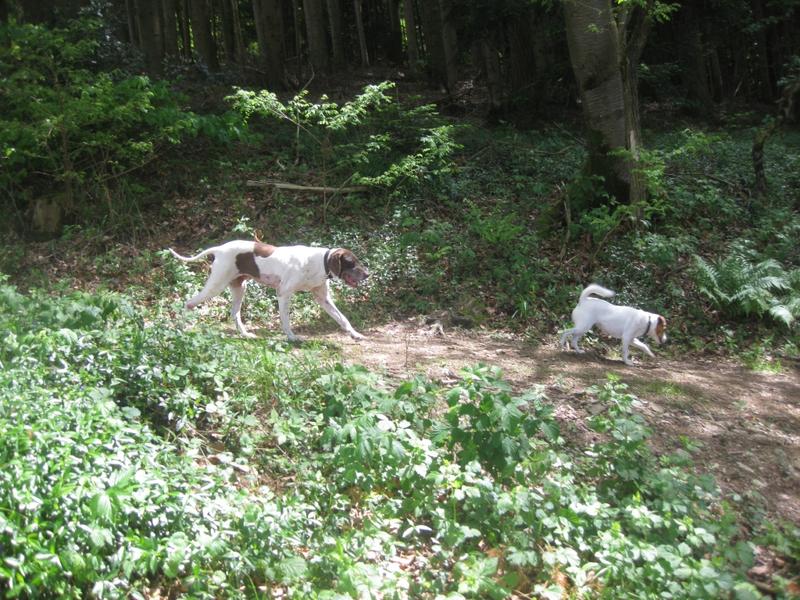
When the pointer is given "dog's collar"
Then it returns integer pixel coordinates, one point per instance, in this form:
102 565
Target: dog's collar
328 273
649 324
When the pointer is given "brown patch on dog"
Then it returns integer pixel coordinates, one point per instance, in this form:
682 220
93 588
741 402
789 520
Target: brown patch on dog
335 262
246 263
238 281
263 250
661 326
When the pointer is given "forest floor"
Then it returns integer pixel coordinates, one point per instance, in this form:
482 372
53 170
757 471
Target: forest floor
745 424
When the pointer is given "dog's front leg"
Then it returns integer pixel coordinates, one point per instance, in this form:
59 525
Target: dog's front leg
643 347
284 300
323 297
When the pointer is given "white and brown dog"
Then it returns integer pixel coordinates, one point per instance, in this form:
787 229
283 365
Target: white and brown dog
623 322
288 269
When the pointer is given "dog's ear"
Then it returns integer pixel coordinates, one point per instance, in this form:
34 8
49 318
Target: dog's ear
661 326
335 262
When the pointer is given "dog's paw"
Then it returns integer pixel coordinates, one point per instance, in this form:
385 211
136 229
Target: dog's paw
580 350
357 336
248 335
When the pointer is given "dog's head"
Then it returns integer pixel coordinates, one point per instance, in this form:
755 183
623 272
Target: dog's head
660 330
344 265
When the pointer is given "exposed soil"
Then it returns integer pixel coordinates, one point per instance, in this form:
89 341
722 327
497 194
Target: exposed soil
747 423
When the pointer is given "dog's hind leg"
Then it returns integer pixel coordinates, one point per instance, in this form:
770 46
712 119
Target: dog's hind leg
213 287
284 301
564 335
238 287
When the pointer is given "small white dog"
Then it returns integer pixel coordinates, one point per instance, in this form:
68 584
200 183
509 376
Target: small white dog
288 269
623 322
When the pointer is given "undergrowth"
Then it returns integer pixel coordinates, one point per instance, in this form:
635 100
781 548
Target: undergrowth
140 459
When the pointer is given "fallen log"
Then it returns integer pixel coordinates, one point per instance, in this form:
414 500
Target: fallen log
317 189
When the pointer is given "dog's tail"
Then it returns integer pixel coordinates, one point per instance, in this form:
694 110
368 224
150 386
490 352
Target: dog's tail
597 290
192 258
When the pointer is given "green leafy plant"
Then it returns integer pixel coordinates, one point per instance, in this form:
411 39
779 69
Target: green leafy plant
742 286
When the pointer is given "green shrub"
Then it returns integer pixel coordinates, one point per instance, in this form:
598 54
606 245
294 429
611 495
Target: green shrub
72 134
370 140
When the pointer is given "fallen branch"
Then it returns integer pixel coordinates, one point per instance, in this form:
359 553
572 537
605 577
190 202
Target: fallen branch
308 188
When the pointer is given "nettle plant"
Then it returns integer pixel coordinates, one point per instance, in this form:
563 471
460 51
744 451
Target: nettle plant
370 140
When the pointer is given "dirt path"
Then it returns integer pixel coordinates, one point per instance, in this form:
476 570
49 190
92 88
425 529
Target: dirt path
747 423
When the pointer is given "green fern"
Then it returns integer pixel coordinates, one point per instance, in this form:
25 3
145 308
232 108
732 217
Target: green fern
740 287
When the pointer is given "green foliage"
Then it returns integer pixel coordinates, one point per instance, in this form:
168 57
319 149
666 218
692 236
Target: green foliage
370 140
741 287
73 133
483 495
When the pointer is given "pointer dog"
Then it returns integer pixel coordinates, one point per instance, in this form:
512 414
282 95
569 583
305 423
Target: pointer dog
288 269
623 322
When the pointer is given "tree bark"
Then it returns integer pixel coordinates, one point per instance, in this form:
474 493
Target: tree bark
362 39
693 56
200 15
133 31
449 44
765 90
434 44
183 27
604 50
150 34
523 69
316 35
412 46
231 32
335 23
394 34
491 65
170 28
269 29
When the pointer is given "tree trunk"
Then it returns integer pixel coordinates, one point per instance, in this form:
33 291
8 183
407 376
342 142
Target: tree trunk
231 32
133 31
693 57
765 89
449 43
337 32
316 35
394 41
269 29
170 28
522 65
604 51
412 46
200 14
491 65
785 109
150 34
434 44
362 39
183 27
